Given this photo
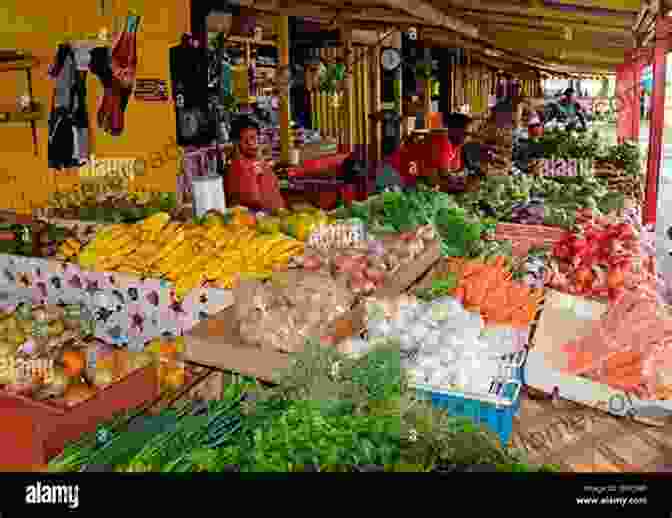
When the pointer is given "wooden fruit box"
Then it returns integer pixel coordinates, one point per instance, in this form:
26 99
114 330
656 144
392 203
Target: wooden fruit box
33 432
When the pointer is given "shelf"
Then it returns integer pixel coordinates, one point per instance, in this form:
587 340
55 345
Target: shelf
12 117
251 41
21 64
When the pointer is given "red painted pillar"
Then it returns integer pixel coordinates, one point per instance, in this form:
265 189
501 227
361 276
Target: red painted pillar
627 98
657 120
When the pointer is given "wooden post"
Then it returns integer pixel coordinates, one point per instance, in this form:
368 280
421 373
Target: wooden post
283 85
349 92
663 33
375 102
427 58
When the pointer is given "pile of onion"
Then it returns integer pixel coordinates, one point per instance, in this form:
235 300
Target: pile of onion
364 277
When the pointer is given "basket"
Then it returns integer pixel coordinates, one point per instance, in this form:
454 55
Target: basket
495 410
525 237
619 181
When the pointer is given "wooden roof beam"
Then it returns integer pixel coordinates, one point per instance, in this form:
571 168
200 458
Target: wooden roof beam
416 11
426 11
613 5
495 31
485 9
538 22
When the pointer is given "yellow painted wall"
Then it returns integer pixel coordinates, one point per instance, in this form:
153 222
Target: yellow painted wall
149 127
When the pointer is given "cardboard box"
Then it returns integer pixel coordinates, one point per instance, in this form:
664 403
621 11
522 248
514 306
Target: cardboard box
216 342
408 274
42 430
566 318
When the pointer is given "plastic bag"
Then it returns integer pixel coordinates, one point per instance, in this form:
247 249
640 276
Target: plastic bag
503 340
625 345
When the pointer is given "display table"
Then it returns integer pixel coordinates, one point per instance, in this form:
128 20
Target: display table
127 309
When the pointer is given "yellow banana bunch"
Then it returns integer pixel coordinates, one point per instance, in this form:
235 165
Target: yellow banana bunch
188 254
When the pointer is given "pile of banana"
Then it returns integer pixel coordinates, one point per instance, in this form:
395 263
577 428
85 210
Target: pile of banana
189 254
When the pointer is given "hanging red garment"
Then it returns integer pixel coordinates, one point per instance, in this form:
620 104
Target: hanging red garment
124 62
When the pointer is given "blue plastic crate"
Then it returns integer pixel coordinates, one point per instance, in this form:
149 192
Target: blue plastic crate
495 410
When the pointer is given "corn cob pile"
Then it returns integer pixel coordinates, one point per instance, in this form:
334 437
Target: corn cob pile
189 254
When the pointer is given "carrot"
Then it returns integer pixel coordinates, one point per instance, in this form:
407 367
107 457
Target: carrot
579 361
497 296
626 371
519 295
472 268
625 383
623 359
479 287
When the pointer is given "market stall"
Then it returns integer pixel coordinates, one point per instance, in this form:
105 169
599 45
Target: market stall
310 312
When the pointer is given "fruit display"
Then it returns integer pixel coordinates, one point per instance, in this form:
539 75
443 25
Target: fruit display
33 332
297 223
16 239
368 267
166 352
41 239
189 254
46 353
88 204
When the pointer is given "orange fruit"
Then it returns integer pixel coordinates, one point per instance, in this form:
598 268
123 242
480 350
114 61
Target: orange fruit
73 362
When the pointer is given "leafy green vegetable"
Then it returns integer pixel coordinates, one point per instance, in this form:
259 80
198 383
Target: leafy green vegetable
439 288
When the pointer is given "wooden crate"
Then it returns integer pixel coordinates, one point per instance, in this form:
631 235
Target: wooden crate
42 430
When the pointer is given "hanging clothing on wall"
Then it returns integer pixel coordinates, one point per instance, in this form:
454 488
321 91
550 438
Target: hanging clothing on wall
68 120
189 77
116 71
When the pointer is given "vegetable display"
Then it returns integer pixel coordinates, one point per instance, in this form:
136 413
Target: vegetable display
358 417
536 200
601 260
488 288
444 345
293 307
395 212
366 267
628 348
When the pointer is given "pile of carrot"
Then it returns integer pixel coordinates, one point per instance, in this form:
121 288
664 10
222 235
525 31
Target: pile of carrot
487 287
626 346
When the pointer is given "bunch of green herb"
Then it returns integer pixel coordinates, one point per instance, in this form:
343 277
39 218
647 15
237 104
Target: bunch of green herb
456 231
626 155
304 436
439 288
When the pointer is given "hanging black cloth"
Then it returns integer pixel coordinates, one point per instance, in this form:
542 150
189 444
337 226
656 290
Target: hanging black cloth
68 120
189 77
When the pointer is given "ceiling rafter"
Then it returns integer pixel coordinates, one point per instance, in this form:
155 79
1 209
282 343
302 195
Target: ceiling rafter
483 8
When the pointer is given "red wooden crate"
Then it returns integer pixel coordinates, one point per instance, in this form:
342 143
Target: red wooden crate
33 432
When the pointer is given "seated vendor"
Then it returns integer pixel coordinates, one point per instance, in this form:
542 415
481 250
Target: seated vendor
250 182
404 165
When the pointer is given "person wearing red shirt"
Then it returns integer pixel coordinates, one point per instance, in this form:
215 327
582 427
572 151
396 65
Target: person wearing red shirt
250 182
411 160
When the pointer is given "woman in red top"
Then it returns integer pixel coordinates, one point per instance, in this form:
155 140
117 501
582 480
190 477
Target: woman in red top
250 182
